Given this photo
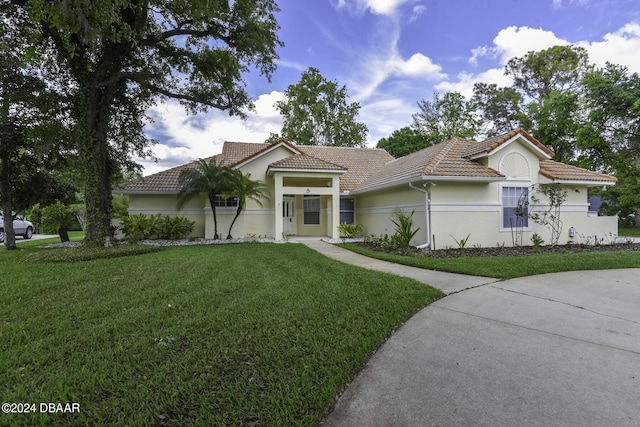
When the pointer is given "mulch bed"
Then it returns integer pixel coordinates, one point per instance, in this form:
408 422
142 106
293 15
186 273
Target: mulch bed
511 251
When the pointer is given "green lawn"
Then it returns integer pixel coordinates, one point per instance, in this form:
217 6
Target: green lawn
631 232
249 334
508 267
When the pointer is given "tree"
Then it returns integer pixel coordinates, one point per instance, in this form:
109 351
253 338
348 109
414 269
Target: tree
551 80
316 112
556 69
500 108
445 116
404 141
244 188
609 139
207 178
31 124
120 57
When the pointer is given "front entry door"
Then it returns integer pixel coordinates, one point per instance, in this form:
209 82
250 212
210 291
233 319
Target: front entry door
289 215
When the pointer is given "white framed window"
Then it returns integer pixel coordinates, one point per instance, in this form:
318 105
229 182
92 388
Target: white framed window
515 207
311 210
347 210
220 202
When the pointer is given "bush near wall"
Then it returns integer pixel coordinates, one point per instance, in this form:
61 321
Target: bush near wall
140 226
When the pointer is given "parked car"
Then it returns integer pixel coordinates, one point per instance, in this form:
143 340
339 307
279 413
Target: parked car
21 226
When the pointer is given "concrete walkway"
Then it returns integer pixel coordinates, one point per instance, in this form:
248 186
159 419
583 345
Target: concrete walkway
551 350
447 282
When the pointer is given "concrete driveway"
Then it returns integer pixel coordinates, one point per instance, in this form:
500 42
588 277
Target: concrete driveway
20 239
552 350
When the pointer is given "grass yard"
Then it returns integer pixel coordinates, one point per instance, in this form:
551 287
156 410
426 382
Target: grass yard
509 267
631 232
249 334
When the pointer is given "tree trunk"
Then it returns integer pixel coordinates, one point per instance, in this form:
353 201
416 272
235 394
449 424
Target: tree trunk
212 202
238 212
64 234
96 156
638 218
5 191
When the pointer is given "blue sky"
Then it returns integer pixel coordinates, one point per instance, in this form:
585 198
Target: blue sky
390 54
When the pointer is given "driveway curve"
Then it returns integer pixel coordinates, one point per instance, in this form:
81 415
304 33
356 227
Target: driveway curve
551 350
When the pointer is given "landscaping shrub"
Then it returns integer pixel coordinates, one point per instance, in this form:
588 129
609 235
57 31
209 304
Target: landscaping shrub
349 231
57 219
404 227
140 226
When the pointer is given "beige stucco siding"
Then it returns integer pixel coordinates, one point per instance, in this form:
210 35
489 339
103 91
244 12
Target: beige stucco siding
375 211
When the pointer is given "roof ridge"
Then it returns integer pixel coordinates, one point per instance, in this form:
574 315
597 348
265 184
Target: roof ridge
307 155
441 155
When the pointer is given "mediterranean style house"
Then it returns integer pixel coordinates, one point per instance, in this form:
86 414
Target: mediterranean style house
455 189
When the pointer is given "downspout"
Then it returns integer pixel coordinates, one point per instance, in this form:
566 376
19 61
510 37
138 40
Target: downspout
427 213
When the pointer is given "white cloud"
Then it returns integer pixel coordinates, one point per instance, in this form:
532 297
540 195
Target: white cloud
377 7
465 81
382 62
510 42
620 47
416 12
385 115
515 42
417 65
558 3
185 138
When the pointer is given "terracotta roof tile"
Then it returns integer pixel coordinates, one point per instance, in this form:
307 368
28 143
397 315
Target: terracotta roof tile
360 163
368 168
305 161
490 144
560 171
165 181
441 160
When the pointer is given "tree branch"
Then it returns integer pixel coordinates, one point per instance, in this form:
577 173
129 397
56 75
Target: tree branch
189 98
180 31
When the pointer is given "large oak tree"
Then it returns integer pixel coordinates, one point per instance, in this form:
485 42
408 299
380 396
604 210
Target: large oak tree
121 56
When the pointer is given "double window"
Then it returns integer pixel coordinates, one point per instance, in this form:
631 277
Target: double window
515 207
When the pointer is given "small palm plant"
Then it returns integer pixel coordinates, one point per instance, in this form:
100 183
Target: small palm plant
244 188
208 178
404 227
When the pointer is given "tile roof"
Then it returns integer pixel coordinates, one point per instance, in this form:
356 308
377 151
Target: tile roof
305 161
360 163
445 159
490 144
161 182
562 172
369 168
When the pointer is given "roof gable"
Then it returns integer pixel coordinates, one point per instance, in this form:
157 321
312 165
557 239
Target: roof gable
234 150
494 144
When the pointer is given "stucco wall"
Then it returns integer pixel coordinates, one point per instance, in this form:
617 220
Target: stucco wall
376 210
473 209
